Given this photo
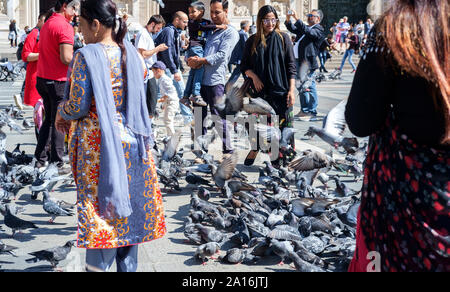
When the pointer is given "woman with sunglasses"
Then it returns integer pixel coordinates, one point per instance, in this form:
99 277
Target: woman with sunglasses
269 62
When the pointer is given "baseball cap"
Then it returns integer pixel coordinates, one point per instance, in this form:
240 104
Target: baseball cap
159 65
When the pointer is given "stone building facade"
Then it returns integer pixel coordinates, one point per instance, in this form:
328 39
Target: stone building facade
26 11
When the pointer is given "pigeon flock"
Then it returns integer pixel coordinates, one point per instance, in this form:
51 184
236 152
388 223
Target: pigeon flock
303 211
18 171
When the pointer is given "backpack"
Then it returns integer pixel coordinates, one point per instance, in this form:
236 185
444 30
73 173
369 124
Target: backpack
19 51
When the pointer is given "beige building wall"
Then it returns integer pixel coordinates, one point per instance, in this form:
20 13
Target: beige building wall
139 11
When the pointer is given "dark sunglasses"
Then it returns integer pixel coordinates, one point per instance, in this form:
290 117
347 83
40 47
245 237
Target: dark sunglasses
312 15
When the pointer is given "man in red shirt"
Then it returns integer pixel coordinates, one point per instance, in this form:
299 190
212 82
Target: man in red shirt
56 42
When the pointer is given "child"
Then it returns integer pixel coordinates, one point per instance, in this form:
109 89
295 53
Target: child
198 29
169 96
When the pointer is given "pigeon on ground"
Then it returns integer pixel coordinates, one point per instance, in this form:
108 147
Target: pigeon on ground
194 179
204 194
53 255
234 256
7 249
281 249
207 250
16 223
301 265
171 147
210 234
192 233
54 208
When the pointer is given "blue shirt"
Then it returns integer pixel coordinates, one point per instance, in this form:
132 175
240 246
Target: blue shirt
218 49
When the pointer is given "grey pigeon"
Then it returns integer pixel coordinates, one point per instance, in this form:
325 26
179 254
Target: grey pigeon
7 249
281 249
52 207
171 147
204 194
301 265
209 234
313 244
207 250
16 223
235 256
15 210
311 160
53 255
192 233
225 171
194 179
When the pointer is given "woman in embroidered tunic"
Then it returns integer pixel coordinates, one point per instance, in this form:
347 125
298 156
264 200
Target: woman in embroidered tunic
119 200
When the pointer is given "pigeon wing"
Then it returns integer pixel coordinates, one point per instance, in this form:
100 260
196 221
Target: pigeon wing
226 169
335 122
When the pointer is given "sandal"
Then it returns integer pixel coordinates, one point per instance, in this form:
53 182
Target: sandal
251 157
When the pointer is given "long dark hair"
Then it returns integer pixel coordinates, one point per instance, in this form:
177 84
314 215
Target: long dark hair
259 36
417 34
105 11
60 3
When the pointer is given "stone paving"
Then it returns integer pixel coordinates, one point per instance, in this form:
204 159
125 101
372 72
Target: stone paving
169 254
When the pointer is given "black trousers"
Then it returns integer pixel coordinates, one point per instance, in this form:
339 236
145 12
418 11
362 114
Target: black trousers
152 96
52 93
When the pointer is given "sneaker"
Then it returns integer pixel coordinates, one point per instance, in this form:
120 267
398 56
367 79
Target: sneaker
302 115
198 100
353 71
185 101
18 101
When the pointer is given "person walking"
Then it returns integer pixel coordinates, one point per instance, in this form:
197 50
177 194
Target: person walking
118 197
146 46
269 62
236 56
170 36
343 27
218 50
30 55
353 44
324 52
311 37
169 97
56 40
13 33
368 26
359 31
401 99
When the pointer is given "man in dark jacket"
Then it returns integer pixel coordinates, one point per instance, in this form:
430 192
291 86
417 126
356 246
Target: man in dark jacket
170 36
236 56
310 37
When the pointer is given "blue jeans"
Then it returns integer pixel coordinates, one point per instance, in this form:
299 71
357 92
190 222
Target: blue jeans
179 86
348 54
308 100
323 58
194 82
102 259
